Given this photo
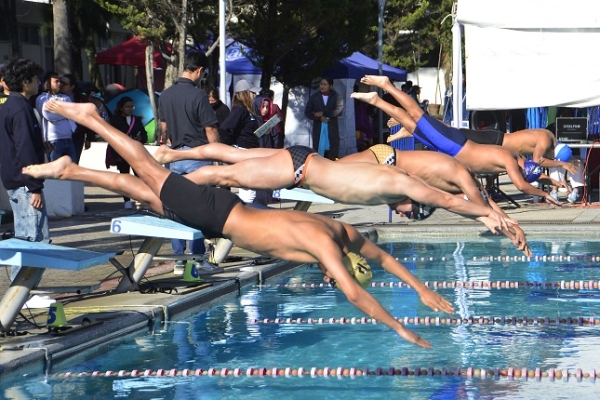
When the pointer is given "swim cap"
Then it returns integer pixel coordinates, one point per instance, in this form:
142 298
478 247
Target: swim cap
531 171
421 211
562 152
359 268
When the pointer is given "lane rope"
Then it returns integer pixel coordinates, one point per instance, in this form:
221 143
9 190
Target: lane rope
557 285
511 373
501 320
546 258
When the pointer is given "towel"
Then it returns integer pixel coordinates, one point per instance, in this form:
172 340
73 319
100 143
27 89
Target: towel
324 139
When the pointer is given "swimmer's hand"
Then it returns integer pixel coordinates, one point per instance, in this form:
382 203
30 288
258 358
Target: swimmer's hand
435 301
520 241
571 167
552 201
495 222
412 337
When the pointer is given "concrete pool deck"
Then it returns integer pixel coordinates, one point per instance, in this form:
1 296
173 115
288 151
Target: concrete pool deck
101 315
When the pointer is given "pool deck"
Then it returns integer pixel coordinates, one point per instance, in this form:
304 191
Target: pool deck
102 315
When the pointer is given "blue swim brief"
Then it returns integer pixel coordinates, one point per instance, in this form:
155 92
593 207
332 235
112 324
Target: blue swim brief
439 137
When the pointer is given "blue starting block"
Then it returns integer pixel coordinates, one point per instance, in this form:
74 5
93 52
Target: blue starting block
155 231
34 258
304 197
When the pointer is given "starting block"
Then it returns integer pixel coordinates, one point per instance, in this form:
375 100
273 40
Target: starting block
34 258
155 230
304 197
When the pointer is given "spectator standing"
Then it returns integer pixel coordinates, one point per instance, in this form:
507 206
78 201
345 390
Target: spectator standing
188 120
82 137
239 126
267 109
324 108
22 144
220 108
3 88
57 129
124 120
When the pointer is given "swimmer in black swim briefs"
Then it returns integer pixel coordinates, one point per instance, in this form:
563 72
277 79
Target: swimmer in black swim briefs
289 235
300 157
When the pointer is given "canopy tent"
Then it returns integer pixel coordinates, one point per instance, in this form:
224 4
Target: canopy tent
518 53
358 65
131 53
237 63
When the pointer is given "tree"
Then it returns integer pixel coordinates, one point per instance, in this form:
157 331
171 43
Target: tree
62 53
296 41
414 33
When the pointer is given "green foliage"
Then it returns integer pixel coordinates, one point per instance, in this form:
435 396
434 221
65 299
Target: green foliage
294 41
413 32
145 18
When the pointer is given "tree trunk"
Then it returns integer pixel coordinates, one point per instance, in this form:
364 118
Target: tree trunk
150 85
285 98
13 30
62 51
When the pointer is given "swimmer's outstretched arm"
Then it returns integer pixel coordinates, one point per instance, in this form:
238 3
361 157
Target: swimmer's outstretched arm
331 261
361 245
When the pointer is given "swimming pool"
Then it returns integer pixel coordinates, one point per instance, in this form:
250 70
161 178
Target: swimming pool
511 313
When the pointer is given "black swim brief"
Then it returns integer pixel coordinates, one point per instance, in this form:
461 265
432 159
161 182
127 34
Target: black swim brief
200 207
484 136
300 156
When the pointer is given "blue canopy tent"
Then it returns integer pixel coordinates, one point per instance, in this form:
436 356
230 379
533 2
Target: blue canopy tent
358 65
241 66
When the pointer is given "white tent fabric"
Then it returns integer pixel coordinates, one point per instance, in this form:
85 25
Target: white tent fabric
518 53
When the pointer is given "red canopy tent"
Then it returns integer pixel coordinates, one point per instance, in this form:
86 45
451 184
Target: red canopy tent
131 53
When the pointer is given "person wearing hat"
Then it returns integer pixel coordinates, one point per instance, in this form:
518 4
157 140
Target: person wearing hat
285 234
479 158
239 126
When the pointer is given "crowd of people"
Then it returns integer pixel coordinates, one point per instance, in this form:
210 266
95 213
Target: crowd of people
209 148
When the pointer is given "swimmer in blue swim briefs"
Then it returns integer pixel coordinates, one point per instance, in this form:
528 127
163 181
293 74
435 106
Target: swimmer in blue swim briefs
479 158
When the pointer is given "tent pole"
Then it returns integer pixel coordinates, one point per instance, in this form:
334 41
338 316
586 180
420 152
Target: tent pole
457 87
222 39
380 60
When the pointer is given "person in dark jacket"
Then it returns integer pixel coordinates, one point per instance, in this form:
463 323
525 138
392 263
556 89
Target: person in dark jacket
239 126
132 126
218 106
22 145
324 108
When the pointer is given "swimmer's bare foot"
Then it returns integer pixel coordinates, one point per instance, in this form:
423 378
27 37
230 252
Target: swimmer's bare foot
403 133
77 112
52 170
376 80
392 122
164 154
370 97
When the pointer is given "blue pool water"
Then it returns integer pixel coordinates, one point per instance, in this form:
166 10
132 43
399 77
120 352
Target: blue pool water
227 336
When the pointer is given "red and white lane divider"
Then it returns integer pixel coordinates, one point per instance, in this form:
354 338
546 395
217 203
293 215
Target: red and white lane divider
576 374
557 285
522 321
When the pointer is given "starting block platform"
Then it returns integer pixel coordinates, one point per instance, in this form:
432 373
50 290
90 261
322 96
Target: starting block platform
146 225
155 230
304 197
34 258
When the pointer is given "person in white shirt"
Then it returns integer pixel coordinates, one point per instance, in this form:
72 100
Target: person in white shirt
57 130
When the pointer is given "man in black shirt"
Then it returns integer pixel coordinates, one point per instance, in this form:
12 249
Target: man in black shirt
188 120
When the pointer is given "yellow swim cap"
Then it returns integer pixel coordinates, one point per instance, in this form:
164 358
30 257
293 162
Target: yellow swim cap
359 268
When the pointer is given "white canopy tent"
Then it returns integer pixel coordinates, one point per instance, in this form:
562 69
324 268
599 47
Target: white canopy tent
519 53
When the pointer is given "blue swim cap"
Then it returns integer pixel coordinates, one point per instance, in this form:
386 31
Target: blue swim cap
562 152
531 171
